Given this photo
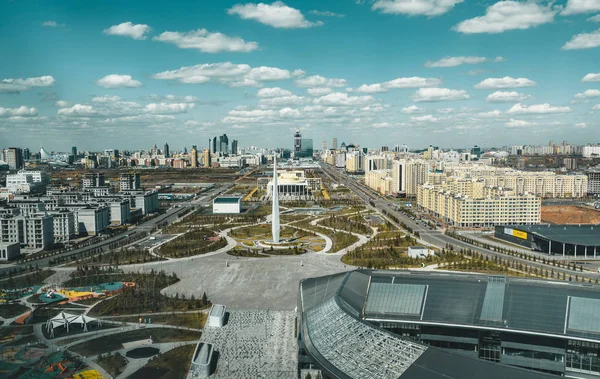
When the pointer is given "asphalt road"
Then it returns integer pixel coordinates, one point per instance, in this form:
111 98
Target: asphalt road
437 237
169 216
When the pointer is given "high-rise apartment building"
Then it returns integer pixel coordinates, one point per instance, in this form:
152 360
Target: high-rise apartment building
207 158
74 151
355 162
194 158
234 147
297 143
166 152
129 182
334 143
13 156
91 180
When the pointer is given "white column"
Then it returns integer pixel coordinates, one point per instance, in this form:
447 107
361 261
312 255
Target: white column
275 210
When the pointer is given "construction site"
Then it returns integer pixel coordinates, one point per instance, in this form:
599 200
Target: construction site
570 214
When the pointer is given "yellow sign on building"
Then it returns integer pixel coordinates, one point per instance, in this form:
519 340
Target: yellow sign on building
520 234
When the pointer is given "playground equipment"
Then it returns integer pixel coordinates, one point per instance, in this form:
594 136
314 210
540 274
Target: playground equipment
66 319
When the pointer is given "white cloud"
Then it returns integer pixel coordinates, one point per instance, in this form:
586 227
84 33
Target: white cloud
20 84
505 82
320 81
206 41
439 94
325 13
537 109
52 24
412 82
62 104
425 118
289 113
445 110
591 78
494 113
415 7
273 92
128 29
476 72
106 99
172 98
411 109
277 15
118 81
379 125
588 93
595 18
499 59
22 111
508 15
372 88
319 91
234 75
506 97
283 100
78 110
583 41
455 61
169 108
580 6
512 123
340 98
581 125
596 107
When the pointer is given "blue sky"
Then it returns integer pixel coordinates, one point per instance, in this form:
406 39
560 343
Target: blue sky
114 74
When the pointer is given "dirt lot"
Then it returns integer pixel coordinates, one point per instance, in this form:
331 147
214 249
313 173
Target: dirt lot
569 214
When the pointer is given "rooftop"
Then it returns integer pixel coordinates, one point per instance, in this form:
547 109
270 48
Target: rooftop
227 200
343 311
203 354
571 234
217 310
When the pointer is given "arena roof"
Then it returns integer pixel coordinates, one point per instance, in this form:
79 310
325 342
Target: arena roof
340 313
583 235
228 200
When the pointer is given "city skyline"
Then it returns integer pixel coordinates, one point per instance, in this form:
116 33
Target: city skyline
445 73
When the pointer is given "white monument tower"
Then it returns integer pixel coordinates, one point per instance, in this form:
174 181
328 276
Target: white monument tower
275 194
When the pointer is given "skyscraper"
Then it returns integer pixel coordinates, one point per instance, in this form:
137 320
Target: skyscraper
224 144
26 154
194 158
214 145
324 146
166 150
275 210
207 158
14 158
297 142
74 151
234 147
334 143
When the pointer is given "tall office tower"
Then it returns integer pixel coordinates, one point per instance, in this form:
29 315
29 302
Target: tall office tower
275 210
324 147
26 154
194 158
307 148
214 145
207 158
166 150
385 148
116 153
234 147
154 150
224 144
13 156
74 152
297 142
334 143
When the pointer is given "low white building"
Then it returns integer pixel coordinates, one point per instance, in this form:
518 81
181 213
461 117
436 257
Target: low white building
419 252
216 316
227 204
63 222
9 251
35 231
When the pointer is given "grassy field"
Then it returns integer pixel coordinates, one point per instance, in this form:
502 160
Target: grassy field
113 342
12 310
340 240
173 364
195 242
114 364
26 280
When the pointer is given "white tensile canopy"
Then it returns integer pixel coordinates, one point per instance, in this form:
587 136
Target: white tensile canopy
66 319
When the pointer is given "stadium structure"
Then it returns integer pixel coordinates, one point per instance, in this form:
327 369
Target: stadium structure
409 325
580 241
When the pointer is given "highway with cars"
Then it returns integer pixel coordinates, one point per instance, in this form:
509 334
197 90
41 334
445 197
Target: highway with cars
435 237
